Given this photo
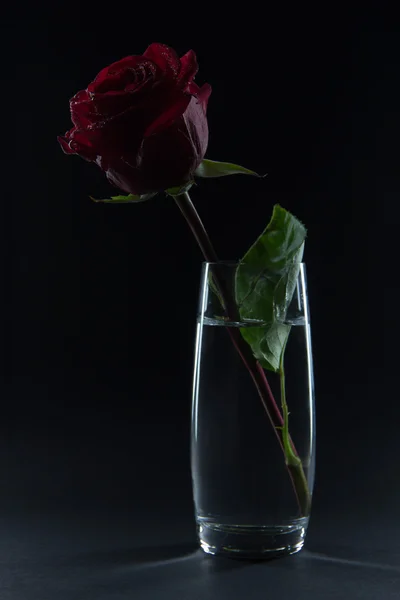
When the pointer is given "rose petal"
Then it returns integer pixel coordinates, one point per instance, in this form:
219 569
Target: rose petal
64 143
115 78
82 111
163 160
90 108
107 78
122 176
82 114
164 57
189 68
81 144
112 83
168 115
118 135
128 61
105 106
80 97
197 126
74 142
192 89
203 95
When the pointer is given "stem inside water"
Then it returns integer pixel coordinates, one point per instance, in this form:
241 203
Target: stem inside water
256 371
291 458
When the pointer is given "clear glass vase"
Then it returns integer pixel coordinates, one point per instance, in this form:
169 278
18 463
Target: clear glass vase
253 426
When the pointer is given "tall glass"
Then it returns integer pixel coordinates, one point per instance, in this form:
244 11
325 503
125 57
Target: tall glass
253 429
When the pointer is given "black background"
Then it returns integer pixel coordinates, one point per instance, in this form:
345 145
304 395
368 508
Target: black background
100 300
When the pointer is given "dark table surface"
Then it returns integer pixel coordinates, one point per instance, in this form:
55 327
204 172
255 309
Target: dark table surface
129 555
110 518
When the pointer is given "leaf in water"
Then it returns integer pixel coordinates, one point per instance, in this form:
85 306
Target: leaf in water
265 281
271 344
285 288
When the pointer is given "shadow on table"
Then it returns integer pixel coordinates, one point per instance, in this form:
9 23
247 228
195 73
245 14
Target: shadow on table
146 555
159 556
368 558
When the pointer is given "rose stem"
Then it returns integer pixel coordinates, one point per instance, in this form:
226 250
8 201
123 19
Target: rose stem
256 371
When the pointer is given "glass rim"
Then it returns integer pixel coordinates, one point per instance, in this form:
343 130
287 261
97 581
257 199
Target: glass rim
234 263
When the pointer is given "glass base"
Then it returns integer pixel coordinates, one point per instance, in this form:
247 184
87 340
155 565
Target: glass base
251 542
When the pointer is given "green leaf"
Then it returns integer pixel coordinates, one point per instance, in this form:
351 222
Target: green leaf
131 198
180 189
265 282
212 168
267 342
285 288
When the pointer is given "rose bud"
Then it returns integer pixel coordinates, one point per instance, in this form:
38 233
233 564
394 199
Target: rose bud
142 121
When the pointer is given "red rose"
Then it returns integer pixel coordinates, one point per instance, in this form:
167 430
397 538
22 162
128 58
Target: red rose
142 121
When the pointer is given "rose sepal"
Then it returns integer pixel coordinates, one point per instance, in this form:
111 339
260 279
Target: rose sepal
129 199
180 189
212 168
